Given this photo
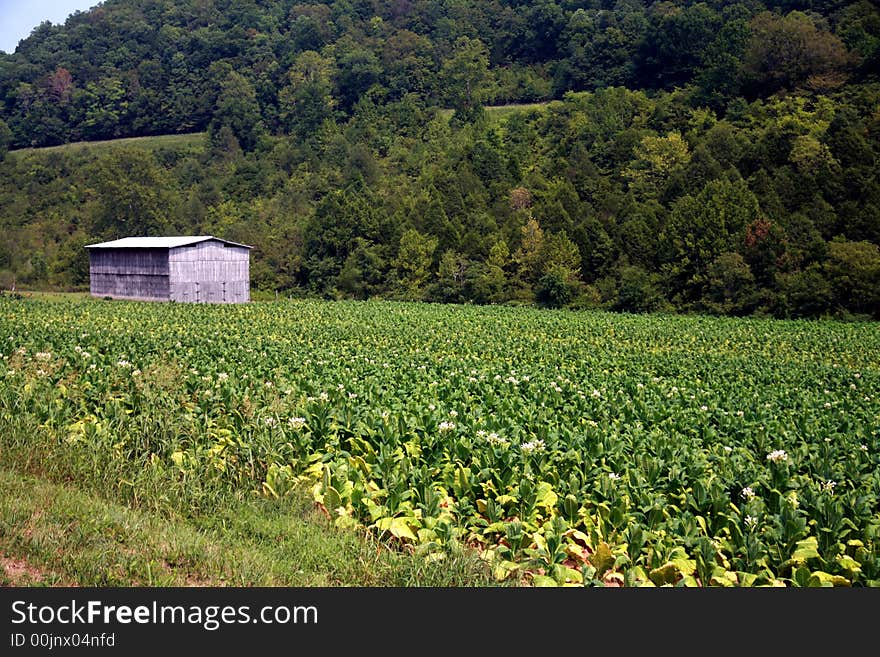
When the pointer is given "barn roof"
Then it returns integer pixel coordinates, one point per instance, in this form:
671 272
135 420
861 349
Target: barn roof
159 242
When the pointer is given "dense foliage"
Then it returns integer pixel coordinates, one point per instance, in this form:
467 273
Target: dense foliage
130 68
718 157
581 448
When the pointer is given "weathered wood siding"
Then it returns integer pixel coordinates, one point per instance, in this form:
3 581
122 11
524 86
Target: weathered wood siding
129 273
210 272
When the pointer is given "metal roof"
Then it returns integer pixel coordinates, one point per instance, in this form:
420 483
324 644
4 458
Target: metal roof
159 242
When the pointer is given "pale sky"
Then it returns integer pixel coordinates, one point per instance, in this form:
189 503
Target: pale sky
19 17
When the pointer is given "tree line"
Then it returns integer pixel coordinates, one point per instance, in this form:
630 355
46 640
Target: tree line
699 157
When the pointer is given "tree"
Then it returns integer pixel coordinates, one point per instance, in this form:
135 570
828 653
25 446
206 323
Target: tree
413 263
656 160
5 139
105 105
306 101
134 197
637 290
804 294
527 258
358 70
700 228
786 52
764 245
450 284
466 78
731 284
237 108
853 268
363 272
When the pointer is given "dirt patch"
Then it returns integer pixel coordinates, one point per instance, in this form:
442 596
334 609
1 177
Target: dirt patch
18 572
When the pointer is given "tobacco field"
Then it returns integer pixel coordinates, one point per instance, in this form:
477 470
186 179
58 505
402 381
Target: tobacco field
580 448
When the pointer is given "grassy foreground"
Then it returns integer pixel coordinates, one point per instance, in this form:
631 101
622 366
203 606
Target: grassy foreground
59 535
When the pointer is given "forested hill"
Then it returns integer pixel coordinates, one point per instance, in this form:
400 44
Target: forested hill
713 157
142 67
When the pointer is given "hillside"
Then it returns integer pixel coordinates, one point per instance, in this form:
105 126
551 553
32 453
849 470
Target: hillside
710 157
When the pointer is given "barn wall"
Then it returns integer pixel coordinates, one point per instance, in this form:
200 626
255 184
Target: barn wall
129 273
210 272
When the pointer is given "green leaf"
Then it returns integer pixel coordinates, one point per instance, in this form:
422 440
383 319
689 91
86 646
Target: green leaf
545 496
685 566
332 499
504 569
506 500
666 574
806 549
543 580
819 578
398 527
602 559
850 565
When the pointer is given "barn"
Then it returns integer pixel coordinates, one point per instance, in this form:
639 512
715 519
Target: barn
195 269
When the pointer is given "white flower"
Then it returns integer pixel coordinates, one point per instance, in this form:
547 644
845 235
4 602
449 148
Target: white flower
777 455
751 521
704 408
431 407
267 384
613 476
453 413
739 413
728 449
747 493
446 426
222 376
596 393
270 421
828 486
296 423
827 404
43 355
323 396
532 446
863 447
124 363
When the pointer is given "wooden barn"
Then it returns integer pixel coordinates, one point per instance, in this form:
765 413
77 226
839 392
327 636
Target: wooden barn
195 269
